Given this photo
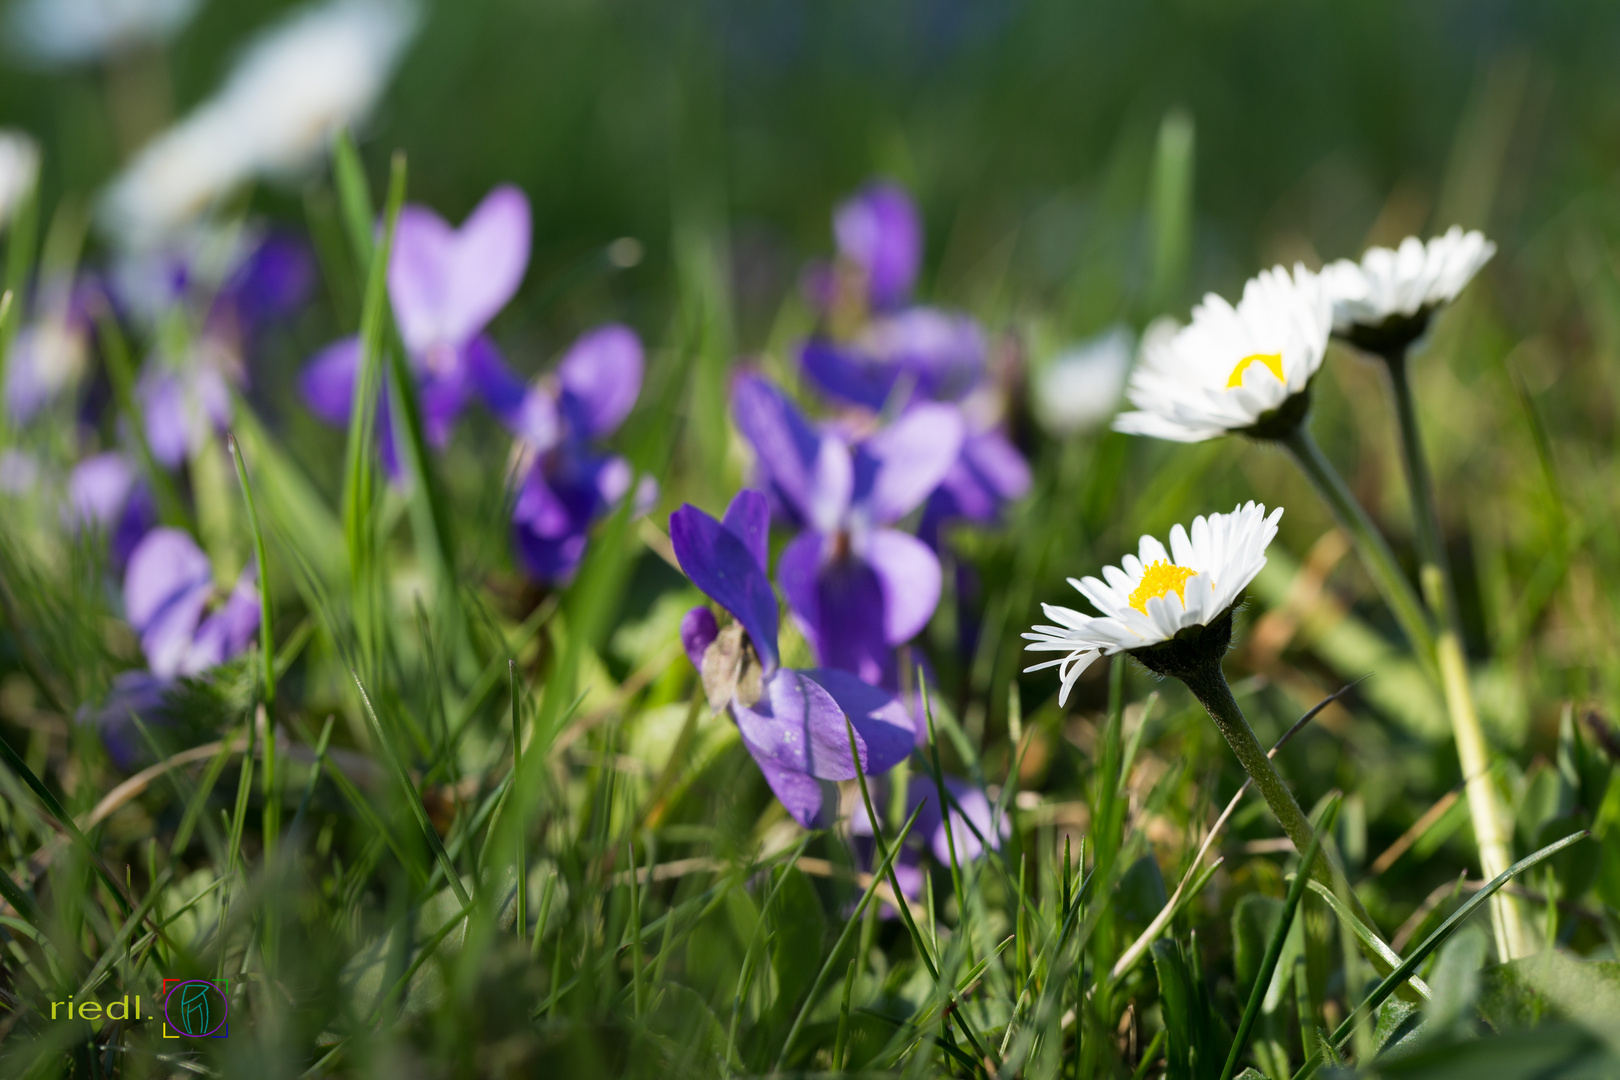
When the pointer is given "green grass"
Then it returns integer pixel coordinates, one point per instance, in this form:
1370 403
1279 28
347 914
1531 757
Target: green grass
391 887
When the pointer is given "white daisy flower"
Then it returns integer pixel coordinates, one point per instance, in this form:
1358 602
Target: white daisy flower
1243 368
1080 389
52 32
19 168
1403 286
318 72
1155 595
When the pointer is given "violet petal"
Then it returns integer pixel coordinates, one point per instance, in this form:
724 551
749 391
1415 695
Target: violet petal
850 633
166 587
163 414
847 375
699 628
786 446
601 377
447 284
908 459
909 574
724 566
803 796
327 382
880 721
748 518
800 726
797 569
879 230
98 488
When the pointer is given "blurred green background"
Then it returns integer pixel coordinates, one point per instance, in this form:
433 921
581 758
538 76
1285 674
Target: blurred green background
1025 129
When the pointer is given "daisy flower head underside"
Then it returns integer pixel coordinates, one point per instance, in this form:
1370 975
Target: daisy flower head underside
1156 594
1387 298
1244 368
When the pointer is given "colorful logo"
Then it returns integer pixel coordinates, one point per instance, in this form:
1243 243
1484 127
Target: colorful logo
195 1009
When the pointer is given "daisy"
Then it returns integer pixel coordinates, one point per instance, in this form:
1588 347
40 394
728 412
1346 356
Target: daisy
1234 369
1384 302
1383 305
1172 611
320 71
1079 389
55 33
1157 596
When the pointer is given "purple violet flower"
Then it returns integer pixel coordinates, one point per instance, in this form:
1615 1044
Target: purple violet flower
791 721
989 473
182 407
235 289
104 493
168 587
446 285
930 354
568 484
857 587
879 232
50 355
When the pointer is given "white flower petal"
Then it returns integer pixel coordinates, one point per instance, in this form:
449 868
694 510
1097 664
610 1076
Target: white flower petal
1415 276
1226 551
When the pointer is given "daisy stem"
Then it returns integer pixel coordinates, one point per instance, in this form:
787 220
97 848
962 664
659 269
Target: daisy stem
1484 804
1369 543
1208 684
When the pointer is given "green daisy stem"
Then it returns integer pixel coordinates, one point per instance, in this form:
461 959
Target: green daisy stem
1485 807
1208 684
1369 543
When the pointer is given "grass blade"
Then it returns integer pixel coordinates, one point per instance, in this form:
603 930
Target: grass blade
1394 979
885 866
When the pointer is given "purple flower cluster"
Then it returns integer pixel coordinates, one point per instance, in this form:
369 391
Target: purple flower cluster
446 285
874 351
185 626
911 442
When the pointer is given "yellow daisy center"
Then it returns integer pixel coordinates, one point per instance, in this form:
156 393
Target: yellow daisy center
1272 361
1159 578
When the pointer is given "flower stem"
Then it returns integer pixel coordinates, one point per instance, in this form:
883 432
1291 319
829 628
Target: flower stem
1208 685
1484 804
1375 554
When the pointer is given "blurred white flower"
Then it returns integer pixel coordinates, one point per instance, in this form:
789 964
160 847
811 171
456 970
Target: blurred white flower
296 86
1080 389
19 169
1154 595
53 32
1403 282
1233 368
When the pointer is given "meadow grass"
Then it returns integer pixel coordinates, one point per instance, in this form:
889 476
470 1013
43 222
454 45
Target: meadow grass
441 820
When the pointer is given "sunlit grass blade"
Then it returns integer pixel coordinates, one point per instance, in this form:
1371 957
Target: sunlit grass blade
360 455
